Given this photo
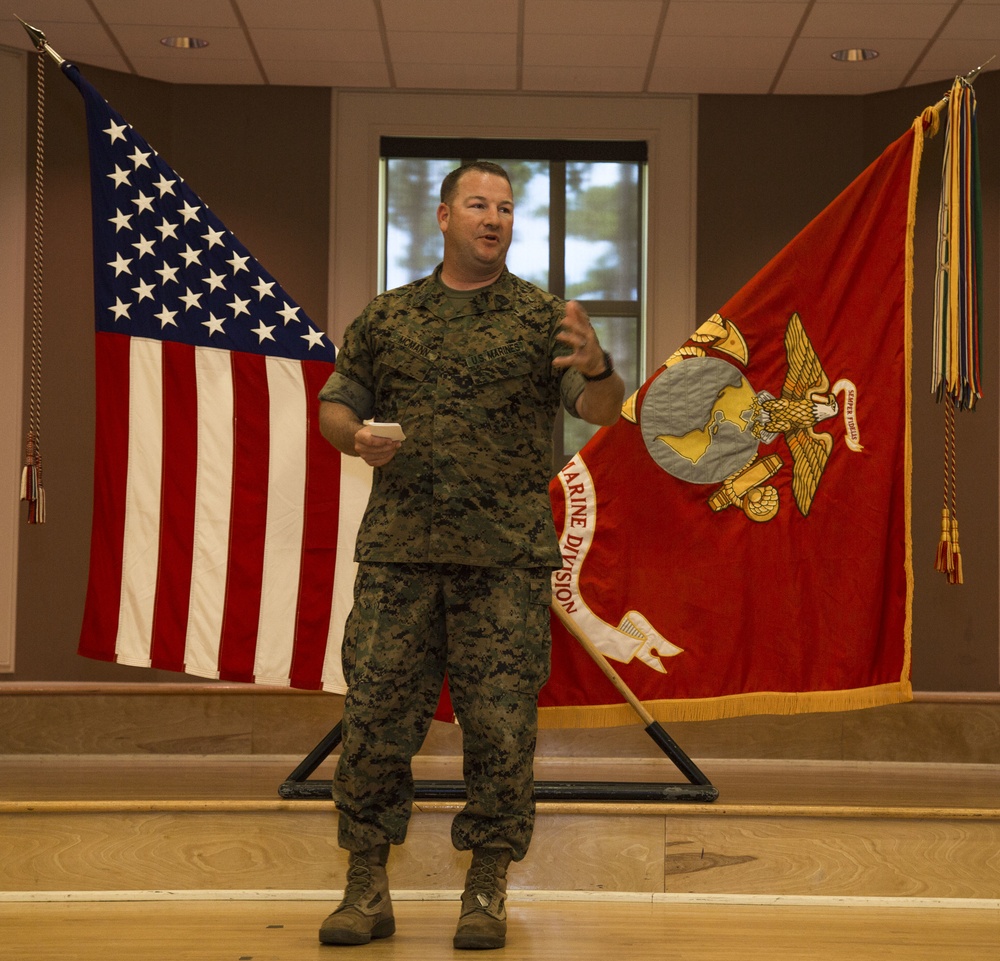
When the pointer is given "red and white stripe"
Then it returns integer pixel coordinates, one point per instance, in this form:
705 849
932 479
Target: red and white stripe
222 544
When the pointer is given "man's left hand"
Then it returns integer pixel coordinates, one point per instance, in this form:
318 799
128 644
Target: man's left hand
578 333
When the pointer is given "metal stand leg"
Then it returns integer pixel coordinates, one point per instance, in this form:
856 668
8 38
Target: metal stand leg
698 789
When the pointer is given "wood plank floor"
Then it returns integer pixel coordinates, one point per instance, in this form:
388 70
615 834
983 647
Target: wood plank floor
561 931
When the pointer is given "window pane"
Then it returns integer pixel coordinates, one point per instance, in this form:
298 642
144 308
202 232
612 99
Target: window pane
602 231
528 256
620 337
413 240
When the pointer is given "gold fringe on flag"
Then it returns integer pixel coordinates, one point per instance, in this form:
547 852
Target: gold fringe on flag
955 379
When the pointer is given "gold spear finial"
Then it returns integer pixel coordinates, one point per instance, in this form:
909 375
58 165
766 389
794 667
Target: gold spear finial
938 107
970 77
38 39
972 74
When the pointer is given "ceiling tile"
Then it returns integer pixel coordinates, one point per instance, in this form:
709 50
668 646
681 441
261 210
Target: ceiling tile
74 41
733 18
747 53
602 17
708 78
176 13
702 78
973 21
487 50
828 81
362 46
868 21
311 73
908 4
569 50
310 14
199 71
937 77
583 77
952 58
454 76
45 13
451 16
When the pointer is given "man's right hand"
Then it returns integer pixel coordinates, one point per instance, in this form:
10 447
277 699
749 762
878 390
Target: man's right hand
342 428
373 450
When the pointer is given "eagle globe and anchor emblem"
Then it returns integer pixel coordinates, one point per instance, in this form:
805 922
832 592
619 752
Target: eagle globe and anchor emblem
703 422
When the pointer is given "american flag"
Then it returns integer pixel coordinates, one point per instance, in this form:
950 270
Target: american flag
217 504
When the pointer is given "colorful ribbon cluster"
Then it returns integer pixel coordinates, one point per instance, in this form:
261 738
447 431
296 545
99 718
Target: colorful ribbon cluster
957 293
958 284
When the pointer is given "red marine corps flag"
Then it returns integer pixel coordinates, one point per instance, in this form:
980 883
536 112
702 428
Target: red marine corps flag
738 542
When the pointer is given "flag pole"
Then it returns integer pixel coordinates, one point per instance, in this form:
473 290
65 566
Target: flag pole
653 727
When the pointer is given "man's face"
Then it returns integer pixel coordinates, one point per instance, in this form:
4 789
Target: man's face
478 222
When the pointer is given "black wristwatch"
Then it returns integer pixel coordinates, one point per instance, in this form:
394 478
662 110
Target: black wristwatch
609 369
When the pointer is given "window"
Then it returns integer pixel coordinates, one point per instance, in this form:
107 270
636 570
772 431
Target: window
577 231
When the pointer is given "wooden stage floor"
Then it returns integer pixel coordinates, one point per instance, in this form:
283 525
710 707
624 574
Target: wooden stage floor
867 817
554 931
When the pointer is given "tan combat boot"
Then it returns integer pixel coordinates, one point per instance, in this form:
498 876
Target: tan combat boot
366 911
483 921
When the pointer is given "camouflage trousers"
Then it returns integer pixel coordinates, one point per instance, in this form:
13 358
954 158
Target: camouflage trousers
488 628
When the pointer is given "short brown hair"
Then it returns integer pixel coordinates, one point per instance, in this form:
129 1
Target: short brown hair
450 183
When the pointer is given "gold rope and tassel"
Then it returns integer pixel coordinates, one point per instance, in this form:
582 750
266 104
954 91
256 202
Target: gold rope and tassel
32 489
949 557
955 575
944 560
954 569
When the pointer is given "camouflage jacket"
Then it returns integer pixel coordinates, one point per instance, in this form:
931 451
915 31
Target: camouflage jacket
476 394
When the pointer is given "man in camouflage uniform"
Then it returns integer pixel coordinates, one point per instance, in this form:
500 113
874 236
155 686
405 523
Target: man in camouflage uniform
456 547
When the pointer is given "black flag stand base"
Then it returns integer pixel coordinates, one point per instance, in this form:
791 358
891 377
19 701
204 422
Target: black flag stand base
299 786
697 789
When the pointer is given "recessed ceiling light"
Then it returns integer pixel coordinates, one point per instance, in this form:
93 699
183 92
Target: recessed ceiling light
854 54
184 43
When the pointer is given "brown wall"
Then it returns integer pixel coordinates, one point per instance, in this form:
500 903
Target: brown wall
766 165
